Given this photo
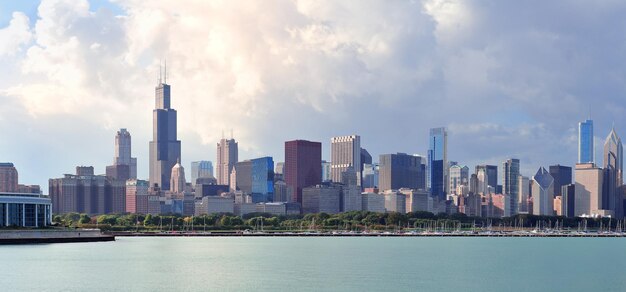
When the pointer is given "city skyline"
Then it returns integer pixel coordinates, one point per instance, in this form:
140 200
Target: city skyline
506 124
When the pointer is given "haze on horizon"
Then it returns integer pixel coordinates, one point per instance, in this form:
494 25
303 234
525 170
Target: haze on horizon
507 78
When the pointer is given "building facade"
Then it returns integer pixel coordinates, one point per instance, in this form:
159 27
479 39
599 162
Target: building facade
227 156
87 193
588 190
613 175
562 176
510 187
25 210
568 200
201 169
302 166
524 194
400 170
373 202
395 201
457 176
345 153
8 177
543 193
123 157
321 199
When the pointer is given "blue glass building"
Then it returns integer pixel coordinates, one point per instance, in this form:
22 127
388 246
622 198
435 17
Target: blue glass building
585 142
437 162
262 180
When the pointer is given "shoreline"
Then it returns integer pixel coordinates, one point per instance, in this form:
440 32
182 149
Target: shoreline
313 234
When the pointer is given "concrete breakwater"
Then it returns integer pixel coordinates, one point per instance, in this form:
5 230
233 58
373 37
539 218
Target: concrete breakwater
53 236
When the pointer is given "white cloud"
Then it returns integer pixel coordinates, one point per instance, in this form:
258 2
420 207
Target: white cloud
508 79
16 34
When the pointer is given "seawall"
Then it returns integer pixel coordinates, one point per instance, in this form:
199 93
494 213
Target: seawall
53 236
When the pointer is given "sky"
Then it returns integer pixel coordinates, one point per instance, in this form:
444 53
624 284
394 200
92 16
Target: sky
507 78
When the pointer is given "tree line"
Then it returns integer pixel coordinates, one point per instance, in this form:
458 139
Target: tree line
355 220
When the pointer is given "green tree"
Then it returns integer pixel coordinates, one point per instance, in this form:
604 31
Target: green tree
84 219
148 220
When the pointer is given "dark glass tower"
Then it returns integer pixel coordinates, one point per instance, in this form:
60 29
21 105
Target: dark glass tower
562 176
303 167
164 147
438 162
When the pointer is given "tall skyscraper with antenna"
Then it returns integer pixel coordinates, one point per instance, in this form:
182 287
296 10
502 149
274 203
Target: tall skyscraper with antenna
165 146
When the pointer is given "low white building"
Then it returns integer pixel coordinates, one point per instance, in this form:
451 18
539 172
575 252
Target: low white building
215 204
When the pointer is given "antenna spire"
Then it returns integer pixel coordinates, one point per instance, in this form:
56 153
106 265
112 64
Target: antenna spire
231 133
165 77
160 71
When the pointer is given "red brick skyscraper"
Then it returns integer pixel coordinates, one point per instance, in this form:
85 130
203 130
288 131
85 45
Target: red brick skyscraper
303 166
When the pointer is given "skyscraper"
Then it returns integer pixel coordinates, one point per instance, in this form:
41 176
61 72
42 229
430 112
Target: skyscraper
562 176
543 193
438 162
613 175
487 176
177 180
345 152
254 177
8 177
457 175
303 166
585 142
523 193
398 171
326 171
227 156
123 151
201 169
165 146
588 190
567 200
371 175
510 187
124 166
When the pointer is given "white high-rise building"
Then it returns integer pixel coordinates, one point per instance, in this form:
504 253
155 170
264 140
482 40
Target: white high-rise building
543 193
177 181
345 153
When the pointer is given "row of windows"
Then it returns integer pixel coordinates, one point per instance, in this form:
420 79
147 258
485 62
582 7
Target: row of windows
29 215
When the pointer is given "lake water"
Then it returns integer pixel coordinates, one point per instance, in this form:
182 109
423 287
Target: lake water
318 264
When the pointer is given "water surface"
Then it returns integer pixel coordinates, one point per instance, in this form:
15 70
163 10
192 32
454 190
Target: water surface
318 264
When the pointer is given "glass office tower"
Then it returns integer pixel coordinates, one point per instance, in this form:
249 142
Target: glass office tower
585 142
438 162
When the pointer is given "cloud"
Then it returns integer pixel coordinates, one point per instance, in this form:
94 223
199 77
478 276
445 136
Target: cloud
508 79
15 35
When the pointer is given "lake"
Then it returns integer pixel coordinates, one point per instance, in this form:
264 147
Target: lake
318 264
